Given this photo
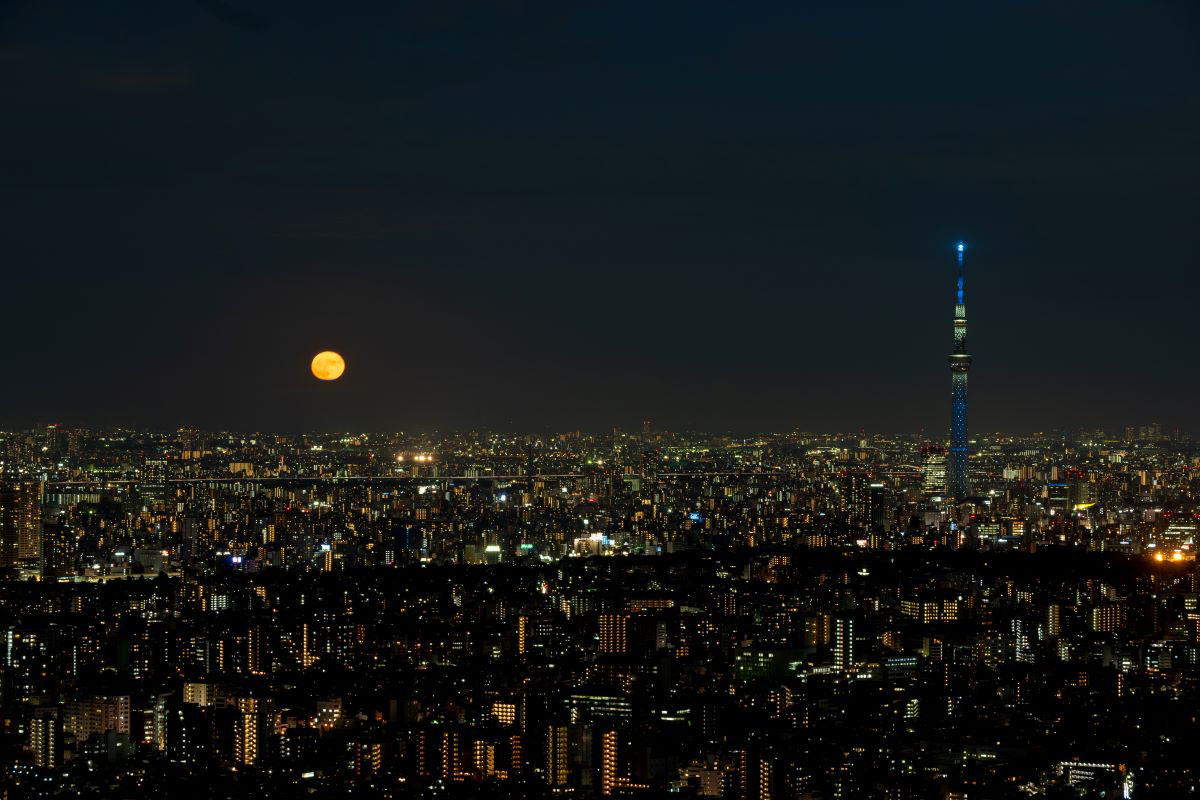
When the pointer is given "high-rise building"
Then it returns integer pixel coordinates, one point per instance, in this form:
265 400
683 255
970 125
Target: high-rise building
260 709
154 725
189 731
1053 619
484 758
247 735
1058 498
20 522
613 633
753 776
368 757
1022 640
256 650
451 754
958 484
45 738
59 546
608 762
843 643
557 773
1104 618
934 469
856 498
516 754
611 778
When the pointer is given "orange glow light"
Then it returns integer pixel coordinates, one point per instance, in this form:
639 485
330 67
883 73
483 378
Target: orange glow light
328 366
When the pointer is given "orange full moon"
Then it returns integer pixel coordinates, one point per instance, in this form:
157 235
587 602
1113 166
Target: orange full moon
328 365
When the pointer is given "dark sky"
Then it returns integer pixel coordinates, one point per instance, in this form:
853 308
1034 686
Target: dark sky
729 215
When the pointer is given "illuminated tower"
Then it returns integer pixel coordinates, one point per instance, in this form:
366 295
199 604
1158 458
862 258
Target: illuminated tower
958 483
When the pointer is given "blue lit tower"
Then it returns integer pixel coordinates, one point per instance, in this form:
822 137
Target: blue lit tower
958 483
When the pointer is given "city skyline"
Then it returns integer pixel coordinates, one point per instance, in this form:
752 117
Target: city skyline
535 400
636 614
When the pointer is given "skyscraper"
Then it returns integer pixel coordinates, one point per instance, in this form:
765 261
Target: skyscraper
59 546
843 643
856 498
958 483
20 522
934 479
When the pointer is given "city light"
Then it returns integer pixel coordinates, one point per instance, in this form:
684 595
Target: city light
313 562
460 401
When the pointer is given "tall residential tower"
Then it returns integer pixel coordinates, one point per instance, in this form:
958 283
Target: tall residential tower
958 483
20 522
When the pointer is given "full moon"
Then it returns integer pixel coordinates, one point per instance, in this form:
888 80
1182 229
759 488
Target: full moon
328 365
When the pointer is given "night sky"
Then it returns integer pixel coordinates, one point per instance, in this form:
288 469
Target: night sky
547 215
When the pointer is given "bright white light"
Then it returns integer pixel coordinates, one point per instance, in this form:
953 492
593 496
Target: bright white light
961 247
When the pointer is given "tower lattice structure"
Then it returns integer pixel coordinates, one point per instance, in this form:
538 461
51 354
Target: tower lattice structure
958 484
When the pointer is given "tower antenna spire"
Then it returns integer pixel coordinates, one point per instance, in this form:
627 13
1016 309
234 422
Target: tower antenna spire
960 251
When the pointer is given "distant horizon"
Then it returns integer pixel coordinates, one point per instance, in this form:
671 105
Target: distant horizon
1118 431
